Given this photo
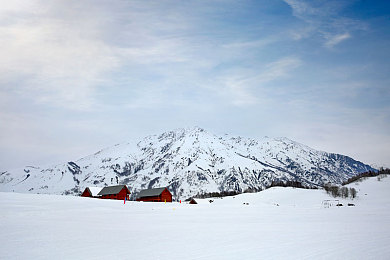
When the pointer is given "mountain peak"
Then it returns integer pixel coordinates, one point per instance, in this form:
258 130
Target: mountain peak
189 161
190 130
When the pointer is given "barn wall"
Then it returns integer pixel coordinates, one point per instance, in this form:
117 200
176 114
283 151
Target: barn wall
110 196
166 196
155 199
120 196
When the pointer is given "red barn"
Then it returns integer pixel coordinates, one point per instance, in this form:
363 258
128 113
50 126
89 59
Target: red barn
192 201
118 192
155 195
91 192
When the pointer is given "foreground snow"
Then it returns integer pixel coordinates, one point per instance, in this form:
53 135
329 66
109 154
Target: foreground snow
279 223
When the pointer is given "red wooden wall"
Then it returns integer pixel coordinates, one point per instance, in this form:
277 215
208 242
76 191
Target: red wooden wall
119 196
164 196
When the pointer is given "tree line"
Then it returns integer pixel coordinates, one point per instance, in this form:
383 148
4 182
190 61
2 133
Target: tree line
343 192
217 194
294 184
367 174
333 190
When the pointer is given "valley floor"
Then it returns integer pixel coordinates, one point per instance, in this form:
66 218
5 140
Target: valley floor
279 223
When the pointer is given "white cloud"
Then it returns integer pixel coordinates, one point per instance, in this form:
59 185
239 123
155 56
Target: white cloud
245 87
250 44
58 61
301 9
336 39
126 65
323 19
56 54
279 68
302 33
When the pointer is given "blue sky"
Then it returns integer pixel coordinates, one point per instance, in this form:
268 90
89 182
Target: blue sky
77 76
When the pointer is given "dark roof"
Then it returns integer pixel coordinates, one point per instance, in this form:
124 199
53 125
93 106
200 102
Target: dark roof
150 192
111 190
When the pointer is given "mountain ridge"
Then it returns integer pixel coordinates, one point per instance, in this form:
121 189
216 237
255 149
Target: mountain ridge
189 161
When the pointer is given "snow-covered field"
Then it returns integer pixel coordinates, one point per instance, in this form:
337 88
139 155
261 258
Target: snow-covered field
279 223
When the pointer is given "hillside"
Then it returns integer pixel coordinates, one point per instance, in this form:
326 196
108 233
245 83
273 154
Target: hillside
190 162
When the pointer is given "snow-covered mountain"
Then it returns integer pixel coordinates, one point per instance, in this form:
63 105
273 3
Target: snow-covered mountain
190 162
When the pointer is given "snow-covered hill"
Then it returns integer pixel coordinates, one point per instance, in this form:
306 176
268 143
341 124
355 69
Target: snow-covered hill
189 162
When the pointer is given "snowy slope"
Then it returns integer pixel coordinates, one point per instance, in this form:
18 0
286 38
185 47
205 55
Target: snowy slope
279 223
189 162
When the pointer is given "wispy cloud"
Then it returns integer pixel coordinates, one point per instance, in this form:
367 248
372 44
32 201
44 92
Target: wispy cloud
52 59
246 88
323 18
58 55
302 9
70 68
64 58
336 39
250 44
279 68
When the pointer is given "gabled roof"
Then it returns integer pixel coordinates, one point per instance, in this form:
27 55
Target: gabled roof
150 192
94 190
111 190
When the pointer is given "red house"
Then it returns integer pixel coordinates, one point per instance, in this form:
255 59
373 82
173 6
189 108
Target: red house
192 201
155 195
91 192
118 192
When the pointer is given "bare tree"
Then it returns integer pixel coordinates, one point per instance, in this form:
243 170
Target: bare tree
353 192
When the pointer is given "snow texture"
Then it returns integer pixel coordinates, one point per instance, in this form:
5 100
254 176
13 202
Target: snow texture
278 223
